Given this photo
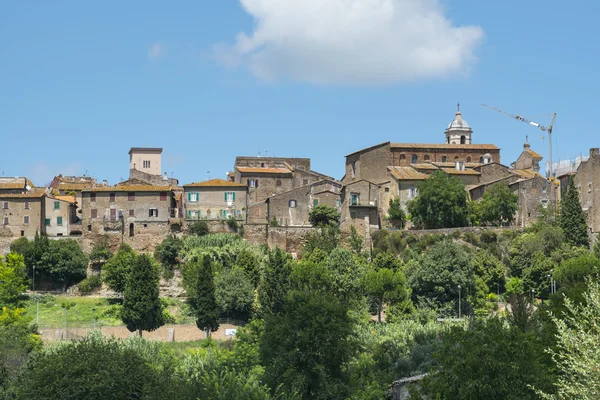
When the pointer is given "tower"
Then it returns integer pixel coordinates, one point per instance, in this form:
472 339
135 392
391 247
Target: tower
459 131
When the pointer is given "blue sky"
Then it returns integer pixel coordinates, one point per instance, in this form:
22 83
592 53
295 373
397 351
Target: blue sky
82 82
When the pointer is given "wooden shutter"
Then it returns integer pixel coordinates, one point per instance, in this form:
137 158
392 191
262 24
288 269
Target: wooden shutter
233 196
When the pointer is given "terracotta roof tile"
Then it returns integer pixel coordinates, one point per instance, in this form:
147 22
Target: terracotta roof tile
216 183
533 154
406 173
140 188
70 199
250 170
454 171
29 195
428 166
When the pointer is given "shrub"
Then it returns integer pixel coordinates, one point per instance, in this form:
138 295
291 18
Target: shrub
89 284
199 228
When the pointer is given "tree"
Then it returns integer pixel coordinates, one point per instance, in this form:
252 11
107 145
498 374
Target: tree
489 268
499 204
323 215
101 252
346 272
116 271
385 286
234 293
142 309
572 218
202 297
489 360
64 262
199 228
396 212
577 355
275 281
355 241
167 252
12 279
441 203
325 238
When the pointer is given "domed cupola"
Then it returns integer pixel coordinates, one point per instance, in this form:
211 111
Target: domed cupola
459 131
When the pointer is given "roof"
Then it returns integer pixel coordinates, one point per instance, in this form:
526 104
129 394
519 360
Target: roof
454 171
368 148
524 173
151 149
70 199
444 146
458 124
215 183
251 170
406 173
533 154
132 188
34 194
431 166
15 183
73 186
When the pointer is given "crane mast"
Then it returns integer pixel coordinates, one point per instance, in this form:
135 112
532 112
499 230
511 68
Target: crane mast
535 124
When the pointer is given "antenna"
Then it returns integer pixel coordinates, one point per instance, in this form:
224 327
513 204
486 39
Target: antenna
208 172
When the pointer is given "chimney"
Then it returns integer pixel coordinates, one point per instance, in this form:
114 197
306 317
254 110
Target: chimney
104 182
594 152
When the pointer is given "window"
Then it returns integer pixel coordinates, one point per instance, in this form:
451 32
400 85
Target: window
469 159
59 221
305 181
480 160
5 220
146 163
26 220
153 212
353 214
94 213
544 189
253 182
354 199
414 159
5 206
444 159
426 157
229 197
262 164
47 222
57 205
27 205
590 187
193 197
463 139
545 203
22 233
315 202
92 197
387 189
413 192
163 196
402 157
112 197
132 213
338 203
131 196
278 182
523 190
292 203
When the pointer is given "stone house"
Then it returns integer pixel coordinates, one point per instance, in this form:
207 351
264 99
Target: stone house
145 164
14 185
403 185
360 205
215 199
129 210
72 185
292 208
21 214
587 181
60 215
268 176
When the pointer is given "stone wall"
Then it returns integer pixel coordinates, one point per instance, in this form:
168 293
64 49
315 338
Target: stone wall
587 182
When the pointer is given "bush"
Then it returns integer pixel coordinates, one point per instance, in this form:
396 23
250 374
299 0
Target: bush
89 284
199 228
232 224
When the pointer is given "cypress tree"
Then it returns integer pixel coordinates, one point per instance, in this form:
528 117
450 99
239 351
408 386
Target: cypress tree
572 218
142 309
202 298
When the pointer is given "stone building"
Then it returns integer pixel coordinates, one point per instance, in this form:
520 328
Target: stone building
269 176
72 185
360 205
21 214
215 199
15 185
129 210
145 164
292 208
60 215
587 181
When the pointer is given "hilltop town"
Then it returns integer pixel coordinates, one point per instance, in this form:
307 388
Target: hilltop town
269 192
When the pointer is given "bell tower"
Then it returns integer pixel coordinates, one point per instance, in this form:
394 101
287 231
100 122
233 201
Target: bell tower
459 131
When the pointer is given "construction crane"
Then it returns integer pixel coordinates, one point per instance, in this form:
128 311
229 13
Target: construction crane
540 126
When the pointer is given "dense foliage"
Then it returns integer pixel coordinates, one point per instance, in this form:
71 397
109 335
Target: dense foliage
498 205
572 218
323 215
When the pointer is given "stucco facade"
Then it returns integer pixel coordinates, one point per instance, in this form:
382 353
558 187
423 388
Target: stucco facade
58 216
21 214
146 159
215 199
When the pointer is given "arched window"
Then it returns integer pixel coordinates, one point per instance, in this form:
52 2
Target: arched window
481 160
402 157
456 157
415 159
468 159
444 159
278 182
426 157
463 139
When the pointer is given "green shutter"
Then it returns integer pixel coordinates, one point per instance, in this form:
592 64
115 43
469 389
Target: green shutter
225 197
58 220
189 211
233 196
57 205
315 202
47 221
189 196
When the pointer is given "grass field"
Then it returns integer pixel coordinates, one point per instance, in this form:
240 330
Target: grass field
84 310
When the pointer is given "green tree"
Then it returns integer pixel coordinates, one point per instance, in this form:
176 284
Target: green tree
202 298
498 204
385 286
116 271
248 262
489 268
142 309
572 218
387 260
577 355
441 203
323 215
234 293
325 238
20 246
489 360
346 272
355 241
199 228
167 252
64 262
275 281
12 279
101 253
597 248
396 212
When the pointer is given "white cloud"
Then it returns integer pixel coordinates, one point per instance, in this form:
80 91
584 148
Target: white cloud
156 51
352 41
